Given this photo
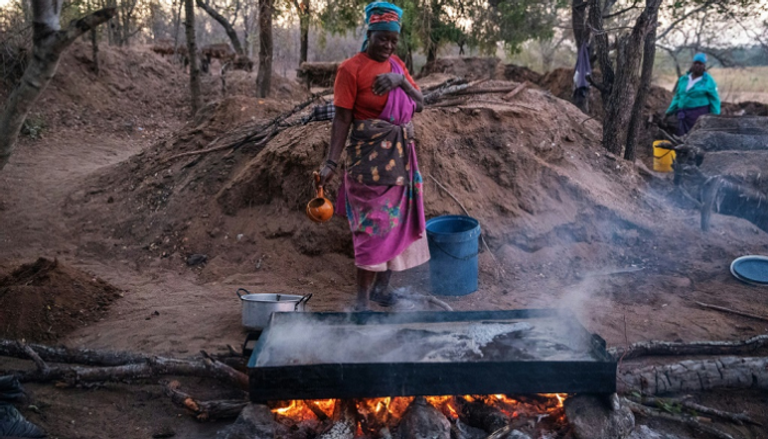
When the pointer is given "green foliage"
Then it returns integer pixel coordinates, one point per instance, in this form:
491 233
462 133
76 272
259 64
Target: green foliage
431 24
513 23
33 126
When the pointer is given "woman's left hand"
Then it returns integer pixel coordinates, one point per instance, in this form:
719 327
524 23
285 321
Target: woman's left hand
386 82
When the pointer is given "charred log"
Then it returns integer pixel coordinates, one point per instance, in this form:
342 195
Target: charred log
667 348
480 415
254 421
421 420
344 421
203 410
696 376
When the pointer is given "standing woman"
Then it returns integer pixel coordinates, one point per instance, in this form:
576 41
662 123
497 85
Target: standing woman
381 191
695 96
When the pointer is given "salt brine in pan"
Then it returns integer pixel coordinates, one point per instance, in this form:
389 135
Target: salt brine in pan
317 342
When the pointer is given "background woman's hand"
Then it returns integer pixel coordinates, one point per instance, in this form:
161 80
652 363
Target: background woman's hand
326 174
386 82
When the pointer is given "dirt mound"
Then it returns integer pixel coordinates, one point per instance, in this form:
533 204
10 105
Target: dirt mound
134 91
470 68
532 171
745 109
45 300
517 73
242 83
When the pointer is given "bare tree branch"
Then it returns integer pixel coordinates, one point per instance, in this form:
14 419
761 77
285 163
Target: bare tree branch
683 18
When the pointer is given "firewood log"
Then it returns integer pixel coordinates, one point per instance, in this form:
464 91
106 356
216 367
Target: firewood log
480 415
422 421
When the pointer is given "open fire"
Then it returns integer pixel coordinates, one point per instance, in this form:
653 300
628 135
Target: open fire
539 415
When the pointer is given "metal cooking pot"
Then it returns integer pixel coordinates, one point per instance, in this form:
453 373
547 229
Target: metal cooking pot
257 308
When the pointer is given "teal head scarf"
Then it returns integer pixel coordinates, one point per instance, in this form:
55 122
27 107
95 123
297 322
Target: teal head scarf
381 16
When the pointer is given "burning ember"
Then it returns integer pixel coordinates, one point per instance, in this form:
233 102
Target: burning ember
376 417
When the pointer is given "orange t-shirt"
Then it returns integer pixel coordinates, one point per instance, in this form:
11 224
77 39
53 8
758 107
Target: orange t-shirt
353 89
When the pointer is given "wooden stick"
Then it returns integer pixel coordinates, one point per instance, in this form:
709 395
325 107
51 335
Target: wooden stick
666 348
41 366
502 104
321 416
687 420
737 418
451 103
732 311
516 91
483 91
203 410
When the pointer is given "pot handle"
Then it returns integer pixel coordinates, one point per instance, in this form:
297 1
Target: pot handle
241 289
304 299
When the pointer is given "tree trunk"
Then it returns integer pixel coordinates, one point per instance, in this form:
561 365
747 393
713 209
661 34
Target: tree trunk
48 41
266 48
95 50
581 35
304 14
620 87
194 69
649 57
231 33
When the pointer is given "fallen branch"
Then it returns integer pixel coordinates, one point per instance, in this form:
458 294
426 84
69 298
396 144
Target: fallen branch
736 418
690 421
665 348
517 90
480 91
41 366
451 103
696 376
153 367
732 311
203 410
93 357
89 357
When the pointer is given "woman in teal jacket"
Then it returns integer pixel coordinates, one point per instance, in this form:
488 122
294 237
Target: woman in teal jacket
695 96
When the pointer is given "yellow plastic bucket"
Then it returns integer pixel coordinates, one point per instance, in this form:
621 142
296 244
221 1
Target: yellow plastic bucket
663 156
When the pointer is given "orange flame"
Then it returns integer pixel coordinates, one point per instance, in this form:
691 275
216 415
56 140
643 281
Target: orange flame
382 410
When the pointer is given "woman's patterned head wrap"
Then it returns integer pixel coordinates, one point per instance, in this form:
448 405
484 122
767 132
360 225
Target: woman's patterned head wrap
382 16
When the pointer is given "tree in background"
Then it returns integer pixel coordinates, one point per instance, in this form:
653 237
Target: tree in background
305 12
194 69
511 22
620 78
48 43
226 24
266 49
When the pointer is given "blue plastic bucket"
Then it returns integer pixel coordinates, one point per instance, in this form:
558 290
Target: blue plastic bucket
453 248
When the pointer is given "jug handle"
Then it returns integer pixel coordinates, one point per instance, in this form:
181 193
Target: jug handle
304 299
241 289
318 188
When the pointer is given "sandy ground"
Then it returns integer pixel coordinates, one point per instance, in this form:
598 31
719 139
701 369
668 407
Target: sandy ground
170 309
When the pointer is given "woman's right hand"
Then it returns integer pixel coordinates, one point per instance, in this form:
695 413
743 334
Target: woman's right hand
326 174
